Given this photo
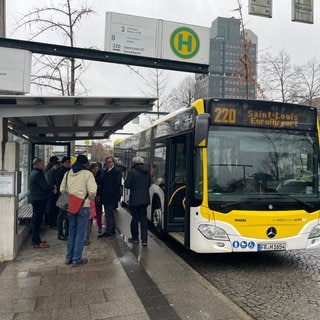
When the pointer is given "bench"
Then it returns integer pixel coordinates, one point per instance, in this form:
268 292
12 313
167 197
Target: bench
25 214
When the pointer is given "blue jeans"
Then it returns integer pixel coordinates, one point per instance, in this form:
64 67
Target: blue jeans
78 227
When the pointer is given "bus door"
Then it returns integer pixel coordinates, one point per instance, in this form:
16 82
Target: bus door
176 186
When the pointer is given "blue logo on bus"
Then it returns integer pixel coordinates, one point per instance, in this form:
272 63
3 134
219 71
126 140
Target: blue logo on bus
243 244
236 244
251 245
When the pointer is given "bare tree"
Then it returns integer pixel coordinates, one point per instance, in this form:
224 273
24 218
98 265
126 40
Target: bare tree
279 77
60 75
245 71
183 95
308 80
155 82
100 150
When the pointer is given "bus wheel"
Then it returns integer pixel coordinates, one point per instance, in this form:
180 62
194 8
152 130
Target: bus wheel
157 220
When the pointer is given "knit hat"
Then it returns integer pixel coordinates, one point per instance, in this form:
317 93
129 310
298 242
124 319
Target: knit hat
82 159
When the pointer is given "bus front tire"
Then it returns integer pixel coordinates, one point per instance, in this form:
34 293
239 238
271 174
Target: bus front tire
156 221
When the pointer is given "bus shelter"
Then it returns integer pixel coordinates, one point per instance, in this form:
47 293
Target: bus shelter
26 121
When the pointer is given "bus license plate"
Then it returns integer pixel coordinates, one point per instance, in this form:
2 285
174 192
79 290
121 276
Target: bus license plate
272 246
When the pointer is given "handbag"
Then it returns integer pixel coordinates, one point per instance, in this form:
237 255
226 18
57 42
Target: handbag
63 201
75 204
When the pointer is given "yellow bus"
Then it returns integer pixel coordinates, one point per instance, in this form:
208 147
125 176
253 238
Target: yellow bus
232 175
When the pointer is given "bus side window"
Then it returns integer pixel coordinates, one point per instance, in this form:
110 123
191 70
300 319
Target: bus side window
158 176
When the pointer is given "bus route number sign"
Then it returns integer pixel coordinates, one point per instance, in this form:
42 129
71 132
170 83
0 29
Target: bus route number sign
263 116
223 115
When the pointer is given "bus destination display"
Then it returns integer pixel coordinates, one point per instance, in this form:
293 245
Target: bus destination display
265 115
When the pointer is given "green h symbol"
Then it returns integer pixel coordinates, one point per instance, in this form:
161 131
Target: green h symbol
182 42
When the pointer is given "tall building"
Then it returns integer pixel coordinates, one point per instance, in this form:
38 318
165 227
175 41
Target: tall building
232 62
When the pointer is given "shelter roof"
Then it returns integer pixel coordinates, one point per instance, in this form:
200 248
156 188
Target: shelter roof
66 118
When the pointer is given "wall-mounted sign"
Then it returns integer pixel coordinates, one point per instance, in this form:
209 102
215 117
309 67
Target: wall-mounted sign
156 38
7 184
260 8
302 11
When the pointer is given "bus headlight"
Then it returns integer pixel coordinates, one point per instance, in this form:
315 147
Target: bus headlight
315 232
212 232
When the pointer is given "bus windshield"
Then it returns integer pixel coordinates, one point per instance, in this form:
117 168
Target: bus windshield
258 161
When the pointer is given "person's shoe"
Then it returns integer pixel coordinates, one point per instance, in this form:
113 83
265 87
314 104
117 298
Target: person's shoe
62 237
41 245
100 231
133 240
68 262
42 241
81 262
144 244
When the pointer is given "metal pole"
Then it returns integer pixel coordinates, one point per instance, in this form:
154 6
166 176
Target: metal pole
3 18
3 122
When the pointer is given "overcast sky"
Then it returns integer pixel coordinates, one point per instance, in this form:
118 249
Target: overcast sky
300 40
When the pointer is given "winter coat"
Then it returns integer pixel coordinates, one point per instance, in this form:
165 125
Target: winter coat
51 176
38 187
138 181
111 186
59 175
80 182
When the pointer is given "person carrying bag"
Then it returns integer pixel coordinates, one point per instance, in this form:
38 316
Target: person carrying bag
79 182
70 202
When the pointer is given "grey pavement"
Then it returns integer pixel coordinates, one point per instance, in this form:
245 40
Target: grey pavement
121 281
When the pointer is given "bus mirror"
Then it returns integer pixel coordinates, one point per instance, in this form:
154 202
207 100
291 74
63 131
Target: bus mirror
201 130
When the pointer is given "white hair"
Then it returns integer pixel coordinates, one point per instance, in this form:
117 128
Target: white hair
136 160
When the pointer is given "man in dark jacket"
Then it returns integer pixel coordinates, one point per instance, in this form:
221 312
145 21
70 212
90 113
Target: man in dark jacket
110 194
138 181
50 164
39 195
62 215
52 209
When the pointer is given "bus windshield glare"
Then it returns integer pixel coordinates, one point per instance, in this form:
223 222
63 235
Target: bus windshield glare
259 161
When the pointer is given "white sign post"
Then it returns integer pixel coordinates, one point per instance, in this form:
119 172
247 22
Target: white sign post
260 8
139 36
302 11
15 70
133 35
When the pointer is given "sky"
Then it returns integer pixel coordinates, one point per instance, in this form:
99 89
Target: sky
300 40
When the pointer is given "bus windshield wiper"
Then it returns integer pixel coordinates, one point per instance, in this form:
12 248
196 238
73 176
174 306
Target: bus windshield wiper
229 206
307 205
233 205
